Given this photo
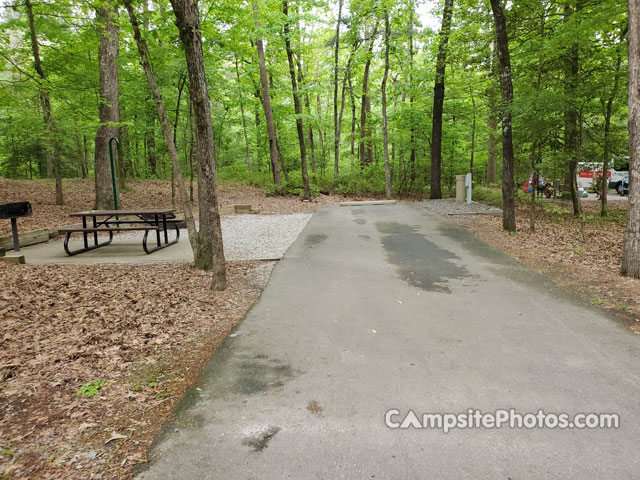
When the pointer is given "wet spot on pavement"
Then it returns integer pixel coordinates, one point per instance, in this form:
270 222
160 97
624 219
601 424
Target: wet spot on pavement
418 261
259 441
360 221
314 240
258 376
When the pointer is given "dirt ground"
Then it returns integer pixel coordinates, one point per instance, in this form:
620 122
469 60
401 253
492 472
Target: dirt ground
93 359
80 195
582 255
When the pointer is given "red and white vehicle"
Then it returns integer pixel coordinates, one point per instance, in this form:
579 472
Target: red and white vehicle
588 173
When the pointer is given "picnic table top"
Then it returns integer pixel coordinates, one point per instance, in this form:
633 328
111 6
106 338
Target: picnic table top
110 213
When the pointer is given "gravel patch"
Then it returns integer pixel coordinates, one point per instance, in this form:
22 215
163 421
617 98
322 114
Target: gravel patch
257 237
448 206
258 277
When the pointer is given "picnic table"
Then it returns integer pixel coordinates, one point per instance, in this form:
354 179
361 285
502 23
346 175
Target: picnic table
109 221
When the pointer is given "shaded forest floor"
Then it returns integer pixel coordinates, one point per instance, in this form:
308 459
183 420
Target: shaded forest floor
93 358
582 255
80 195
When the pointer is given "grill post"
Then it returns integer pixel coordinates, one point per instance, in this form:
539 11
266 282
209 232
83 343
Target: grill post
14 233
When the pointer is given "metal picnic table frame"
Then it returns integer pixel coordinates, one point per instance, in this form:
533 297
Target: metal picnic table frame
157 220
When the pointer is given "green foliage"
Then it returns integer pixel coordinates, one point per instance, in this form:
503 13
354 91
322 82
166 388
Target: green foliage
7 451
491 196
366 181
90 389
240 172
577 249
555 209
541 36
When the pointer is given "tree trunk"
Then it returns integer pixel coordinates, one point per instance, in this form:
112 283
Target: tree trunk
344 88
123 157
259 148
492 118
473 131
52 151
307 106
365 150
412 130
492 148
534 143
631 248
438 103
608 113
182 80
85 158
336 127
296 103
108 109
244 120
266 104
353 120
169 135
385 137
323 159
150 142
210 248
508 193
571 119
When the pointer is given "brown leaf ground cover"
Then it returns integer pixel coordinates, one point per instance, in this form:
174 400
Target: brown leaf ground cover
582 255
94 358
79 196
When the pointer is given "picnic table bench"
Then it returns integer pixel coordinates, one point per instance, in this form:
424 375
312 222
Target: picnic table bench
109 221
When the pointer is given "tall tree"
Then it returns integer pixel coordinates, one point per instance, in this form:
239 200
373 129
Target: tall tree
52 151
244 119
266 104
170 138
438 103
492 118
210 252
631 247
608 113
412 128
336 127
473 130
296 102
508 188
385 134
108 108
307 106
366 146
571 114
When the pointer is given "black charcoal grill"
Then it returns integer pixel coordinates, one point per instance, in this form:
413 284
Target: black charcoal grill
13 211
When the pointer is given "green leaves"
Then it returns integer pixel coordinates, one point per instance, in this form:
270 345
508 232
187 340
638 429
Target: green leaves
90 389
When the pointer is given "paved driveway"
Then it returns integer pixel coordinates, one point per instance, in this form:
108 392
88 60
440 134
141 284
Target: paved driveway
391 307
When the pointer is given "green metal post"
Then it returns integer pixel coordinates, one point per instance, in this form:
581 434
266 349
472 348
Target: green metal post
113 170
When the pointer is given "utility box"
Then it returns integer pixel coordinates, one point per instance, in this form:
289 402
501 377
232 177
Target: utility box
460 186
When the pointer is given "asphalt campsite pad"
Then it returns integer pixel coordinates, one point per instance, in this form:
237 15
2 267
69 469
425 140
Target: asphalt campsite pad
391 307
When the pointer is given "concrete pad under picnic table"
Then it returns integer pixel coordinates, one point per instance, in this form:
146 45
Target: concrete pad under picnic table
246 237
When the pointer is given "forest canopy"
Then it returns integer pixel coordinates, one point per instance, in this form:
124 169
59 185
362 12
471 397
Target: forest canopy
568 63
